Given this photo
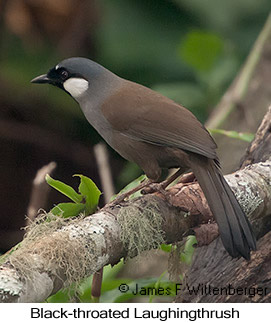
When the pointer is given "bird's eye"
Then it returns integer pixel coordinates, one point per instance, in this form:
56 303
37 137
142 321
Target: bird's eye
64 74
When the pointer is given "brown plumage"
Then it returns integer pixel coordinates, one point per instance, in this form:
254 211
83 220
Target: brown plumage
154 132
173 137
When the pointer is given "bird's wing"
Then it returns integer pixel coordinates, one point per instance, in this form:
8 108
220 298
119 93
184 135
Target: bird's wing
142 114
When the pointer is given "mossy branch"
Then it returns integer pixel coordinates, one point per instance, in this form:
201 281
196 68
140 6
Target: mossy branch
58 252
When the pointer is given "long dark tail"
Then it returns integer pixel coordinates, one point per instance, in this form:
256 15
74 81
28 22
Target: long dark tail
235 230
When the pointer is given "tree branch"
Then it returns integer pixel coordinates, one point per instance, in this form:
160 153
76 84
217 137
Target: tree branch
56 253
260 147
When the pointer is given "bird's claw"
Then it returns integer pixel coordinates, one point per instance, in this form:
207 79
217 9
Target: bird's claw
154 187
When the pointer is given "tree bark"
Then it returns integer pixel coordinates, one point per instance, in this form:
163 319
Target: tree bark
213 269
221 279
57 253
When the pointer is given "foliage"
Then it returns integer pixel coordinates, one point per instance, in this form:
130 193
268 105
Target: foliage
201 49
85 201
188 249
245 136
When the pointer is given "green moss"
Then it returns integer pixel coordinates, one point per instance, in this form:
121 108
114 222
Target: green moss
50 247
141 228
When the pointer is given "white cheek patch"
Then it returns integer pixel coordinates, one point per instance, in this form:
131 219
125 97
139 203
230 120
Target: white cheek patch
75 86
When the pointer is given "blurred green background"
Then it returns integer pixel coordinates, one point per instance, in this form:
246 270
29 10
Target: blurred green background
189 50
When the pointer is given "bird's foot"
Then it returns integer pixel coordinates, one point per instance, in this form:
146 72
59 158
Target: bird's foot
148 187
161 187
122 197
187 178
119 199
155 187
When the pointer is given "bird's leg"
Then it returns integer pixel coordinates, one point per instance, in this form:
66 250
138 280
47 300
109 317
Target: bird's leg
120 198
187 178
149 186
160 187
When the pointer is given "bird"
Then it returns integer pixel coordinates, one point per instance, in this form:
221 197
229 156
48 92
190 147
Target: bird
156 133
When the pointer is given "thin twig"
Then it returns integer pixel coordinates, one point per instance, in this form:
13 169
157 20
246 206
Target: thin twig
40 191
102 159
101 155
239 86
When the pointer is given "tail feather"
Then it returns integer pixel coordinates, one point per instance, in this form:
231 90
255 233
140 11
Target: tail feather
243 220
234 227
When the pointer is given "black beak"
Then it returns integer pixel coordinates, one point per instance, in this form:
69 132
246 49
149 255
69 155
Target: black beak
41 79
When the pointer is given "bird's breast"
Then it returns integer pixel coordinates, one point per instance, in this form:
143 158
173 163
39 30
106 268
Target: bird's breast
95 117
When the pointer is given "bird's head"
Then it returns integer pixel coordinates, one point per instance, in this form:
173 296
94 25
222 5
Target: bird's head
74 75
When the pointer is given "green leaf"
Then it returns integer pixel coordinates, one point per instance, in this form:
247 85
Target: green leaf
115 296
110 272
129 172
166 247
187 254
134 286
157 285
64 189
201 49
234 134
90 192
62 296
130 186
67 210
